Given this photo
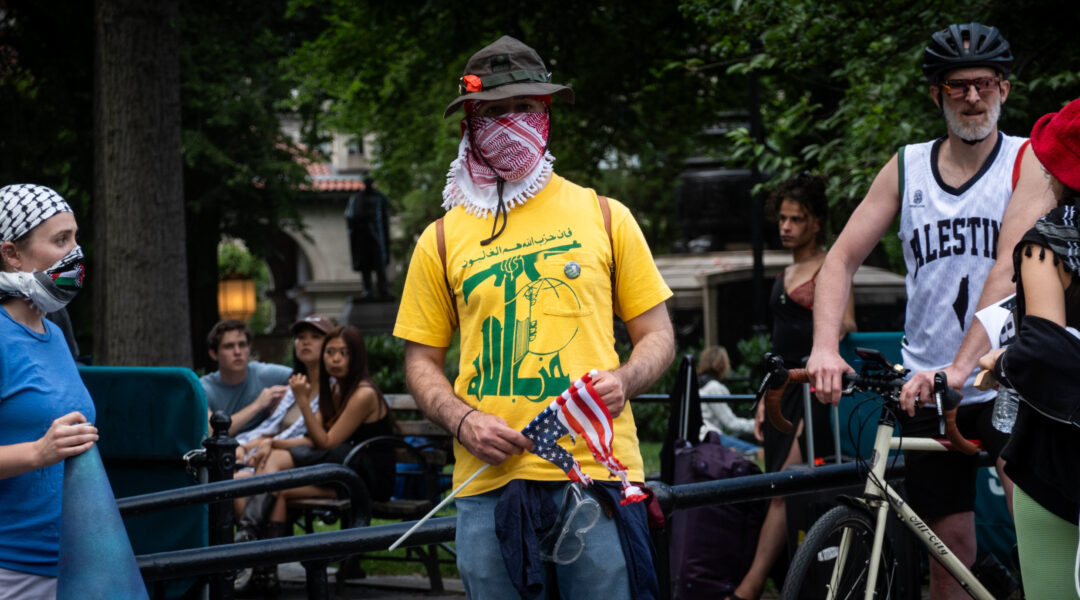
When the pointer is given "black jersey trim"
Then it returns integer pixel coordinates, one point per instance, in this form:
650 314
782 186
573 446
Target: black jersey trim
974 179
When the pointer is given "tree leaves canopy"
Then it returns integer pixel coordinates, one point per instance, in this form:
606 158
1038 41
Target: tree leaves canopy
841 82
392 69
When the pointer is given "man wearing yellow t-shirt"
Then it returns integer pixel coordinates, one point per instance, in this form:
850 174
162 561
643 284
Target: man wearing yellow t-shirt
521 263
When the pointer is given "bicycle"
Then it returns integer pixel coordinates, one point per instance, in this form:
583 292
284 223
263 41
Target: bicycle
851 536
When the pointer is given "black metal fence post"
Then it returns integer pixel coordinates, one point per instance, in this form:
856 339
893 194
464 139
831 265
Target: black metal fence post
220 460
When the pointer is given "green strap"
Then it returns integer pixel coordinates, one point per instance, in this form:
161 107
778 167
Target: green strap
497 79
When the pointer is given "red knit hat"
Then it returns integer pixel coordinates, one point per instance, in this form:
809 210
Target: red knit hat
1056 142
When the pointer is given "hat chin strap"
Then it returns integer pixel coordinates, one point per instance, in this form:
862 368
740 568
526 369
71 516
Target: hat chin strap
499 181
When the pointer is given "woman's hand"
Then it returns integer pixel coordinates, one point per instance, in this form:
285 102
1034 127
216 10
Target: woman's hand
262 452
301 387
68 436
988 360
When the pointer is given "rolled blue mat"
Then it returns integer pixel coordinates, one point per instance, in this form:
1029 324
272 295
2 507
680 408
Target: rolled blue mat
96 560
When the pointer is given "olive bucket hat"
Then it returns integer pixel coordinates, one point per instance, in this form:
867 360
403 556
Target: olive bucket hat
504 69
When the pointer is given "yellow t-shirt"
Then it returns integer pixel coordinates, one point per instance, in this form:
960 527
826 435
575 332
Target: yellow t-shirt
536 314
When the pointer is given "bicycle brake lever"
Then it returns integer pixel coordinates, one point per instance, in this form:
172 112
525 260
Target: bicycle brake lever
939 391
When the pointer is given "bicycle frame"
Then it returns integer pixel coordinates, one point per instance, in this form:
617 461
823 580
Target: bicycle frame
879 496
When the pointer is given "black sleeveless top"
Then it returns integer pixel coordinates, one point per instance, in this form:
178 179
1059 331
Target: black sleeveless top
793 325
1041 453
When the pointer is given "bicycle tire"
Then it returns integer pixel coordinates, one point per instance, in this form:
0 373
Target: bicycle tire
810 570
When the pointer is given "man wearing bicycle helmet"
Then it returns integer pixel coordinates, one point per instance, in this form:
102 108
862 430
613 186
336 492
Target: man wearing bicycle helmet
958 225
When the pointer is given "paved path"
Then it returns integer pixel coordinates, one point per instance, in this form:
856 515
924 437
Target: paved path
382 587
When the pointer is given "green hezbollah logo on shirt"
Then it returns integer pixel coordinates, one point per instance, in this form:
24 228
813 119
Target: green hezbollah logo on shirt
520 352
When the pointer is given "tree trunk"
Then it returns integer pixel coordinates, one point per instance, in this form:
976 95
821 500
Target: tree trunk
139 272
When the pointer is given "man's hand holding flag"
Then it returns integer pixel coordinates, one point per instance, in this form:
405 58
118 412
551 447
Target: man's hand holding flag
578 411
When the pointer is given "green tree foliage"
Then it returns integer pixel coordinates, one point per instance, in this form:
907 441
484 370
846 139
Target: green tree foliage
46 96
841 86
241 174
391 69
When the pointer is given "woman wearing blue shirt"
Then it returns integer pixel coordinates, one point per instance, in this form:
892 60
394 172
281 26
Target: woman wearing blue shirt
45 410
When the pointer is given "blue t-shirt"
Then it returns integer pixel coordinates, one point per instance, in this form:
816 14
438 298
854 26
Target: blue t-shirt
38 384
233 398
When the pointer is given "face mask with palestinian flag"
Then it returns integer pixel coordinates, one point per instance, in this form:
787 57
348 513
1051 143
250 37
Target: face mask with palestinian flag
580 410
51 289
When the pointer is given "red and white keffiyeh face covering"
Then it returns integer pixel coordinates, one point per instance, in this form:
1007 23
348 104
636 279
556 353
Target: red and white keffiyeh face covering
514 147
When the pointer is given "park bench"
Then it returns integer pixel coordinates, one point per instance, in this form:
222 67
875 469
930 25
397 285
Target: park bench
419 468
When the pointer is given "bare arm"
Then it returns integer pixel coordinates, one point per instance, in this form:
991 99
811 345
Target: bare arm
832 291
484 435
654 348
361 406
67 436
291 443
267 399
848 324
1030 200
1044 293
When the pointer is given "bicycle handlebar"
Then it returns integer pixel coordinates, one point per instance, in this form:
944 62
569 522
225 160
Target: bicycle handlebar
778 377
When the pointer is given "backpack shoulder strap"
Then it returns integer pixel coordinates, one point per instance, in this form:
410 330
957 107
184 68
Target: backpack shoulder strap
440 240
605 210
1019 161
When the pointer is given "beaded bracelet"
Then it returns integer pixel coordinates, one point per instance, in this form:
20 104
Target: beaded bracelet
462 422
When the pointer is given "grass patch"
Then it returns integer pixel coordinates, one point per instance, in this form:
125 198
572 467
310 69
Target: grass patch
650 454
373 566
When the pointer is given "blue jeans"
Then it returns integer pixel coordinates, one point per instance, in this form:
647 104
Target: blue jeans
739 445
600 571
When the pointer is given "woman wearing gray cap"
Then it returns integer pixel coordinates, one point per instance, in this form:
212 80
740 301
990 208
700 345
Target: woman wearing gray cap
45 410
283 429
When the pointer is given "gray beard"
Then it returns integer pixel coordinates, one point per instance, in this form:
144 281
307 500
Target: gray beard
972 132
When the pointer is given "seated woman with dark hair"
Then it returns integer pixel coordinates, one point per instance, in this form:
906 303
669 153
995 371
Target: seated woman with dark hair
1042 366
350 410
353 410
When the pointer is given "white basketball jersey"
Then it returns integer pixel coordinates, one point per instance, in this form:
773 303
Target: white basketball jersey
949 236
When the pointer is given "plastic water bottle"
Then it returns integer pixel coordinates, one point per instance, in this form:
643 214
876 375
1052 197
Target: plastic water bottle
1005 409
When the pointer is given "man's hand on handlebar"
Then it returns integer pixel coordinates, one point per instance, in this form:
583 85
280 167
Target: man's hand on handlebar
826 372
921 387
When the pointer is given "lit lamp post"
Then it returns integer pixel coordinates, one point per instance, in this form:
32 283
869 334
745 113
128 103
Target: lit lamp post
236 297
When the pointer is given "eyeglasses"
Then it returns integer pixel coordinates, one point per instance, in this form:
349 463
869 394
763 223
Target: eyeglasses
957 88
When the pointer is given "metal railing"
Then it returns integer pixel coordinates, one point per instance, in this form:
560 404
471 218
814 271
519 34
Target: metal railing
316 550
217 491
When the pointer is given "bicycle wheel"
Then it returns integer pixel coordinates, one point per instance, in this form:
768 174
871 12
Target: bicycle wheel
812 567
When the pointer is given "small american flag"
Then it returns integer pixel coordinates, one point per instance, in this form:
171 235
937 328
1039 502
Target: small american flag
544 431
580 410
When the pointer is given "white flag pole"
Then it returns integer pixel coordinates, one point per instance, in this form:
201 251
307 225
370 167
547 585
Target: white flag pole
437 508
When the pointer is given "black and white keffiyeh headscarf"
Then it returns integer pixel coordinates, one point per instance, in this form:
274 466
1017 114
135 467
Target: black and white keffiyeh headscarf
22 208
1060 228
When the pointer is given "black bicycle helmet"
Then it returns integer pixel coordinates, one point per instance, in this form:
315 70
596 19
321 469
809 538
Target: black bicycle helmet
946 51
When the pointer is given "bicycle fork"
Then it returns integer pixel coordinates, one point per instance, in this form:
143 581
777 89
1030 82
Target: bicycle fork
880 496
877 501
